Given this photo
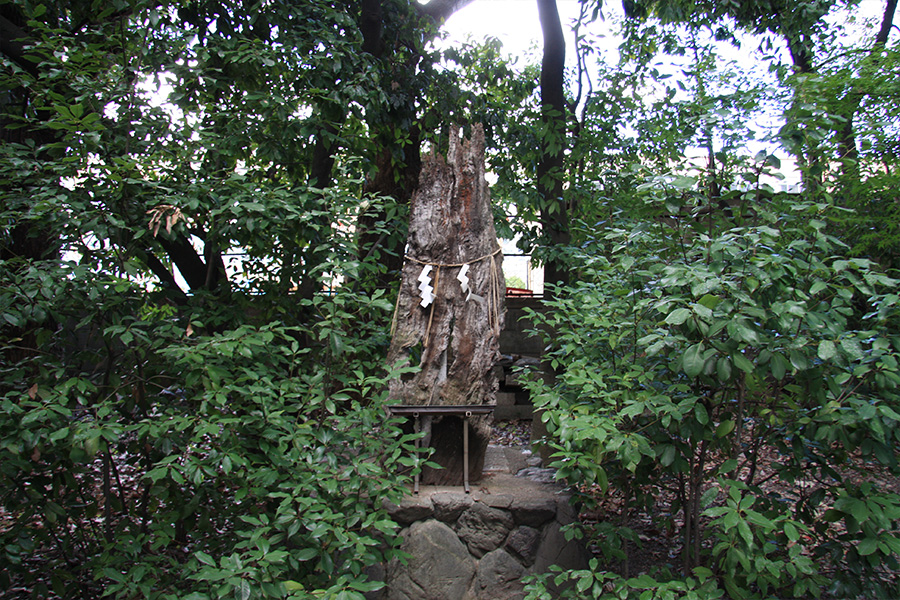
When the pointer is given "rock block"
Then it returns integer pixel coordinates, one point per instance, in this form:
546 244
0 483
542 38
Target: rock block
449 505
505 399
483 528
501 501
498 577
513 412
523 543
538 475
533 511
555 549
410 510
442 569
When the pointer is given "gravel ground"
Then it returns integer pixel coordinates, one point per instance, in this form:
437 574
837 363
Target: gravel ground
511 433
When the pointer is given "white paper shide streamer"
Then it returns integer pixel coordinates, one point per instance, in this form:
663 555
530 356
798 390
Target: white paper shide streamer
463 278
427 290
464 281
425 286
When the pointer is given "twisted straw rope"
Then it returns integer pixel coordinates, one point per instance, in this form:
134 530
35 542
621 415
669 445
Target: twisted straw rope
493 293
451 265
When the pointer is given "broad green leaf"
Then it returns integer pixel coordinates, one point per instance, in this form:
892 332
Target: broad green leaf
730 519
867 546
643 581
798 360
729 465
745 533
701 414
693 361
744 333
678 316
778 366
710 301
742 362
702 311
852 347
709 496
306 554
859 510
723 369
760 520
817 287
668 455
724 428
827 350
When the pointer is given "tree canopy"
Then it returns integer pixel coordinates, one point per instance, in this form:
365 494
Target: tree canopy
201 232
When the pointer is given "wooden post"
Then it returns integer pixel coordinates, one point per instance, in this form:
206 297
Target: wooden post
450 310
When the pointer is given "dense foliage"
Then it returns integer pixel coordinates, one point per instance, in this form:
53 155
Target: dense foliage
726 364
202 212
705 369
186 410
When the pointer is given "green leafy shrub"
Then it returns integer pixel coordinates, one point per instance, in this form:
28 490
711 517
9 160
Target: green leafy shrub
158 461
172 426
157 444
710 367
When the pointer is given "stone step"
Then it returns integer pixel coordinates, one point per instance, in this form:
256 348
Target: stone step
508 459
495 460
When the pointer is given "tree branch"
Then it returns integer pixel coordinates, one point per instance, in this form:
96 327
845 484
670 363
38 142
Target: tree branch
550 168
12 45
167 280
370 24
189 263
887 22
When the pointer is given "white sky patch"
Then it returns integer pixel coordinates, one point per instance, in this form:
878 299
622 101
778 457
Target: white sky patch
514 22
517 25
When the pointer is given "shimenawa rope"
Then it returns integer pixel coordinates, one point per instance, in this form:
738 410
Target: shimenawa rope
493 296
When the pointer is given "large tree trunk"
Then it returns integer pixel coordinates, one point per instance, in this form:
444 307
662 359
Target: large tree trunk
454 339
847 150
397 162
551 168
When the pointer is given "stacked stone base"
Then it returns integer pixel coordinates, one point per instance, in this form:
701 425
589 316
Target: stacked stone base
480 546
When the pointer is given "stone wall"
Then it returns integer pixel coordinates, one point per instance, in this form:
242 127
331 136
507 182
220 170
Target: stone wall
480 546
515 338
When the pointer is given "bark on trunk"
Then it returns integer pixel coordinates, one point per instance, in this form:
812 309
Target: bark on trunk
551 168
847 150
454 339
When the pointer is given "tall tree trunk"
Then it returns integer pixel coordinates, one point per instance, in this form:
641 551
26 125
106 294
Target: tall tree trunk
396 180
809 153
550 169
320 177
847 150
397 162
23 240
26 239
452 246
392 178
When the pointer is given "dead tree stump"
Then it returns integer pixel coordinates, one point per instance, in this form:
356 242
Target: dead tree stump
450 310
